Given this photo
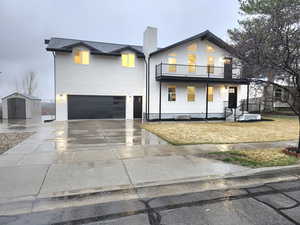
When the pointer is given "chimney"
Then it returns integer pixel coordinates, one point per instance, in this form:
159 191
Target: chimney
150 41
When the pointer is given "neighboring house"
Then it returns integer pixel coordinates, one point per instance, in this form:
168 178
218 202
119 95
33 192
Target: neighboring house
190 79
278 97
21 106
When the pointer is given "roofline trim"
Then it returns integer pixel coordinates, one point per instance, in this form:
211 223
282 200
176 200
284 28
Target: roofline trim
25 96
92 52
81 43
204 35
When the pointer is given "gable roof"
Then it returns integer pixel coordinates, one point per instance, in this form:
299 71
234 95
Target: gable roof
101 48
207 35
23 95
104 48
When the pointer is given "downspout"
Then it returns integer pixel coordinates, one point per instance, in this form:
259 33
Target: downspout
149 85
54 79
248 87
146 70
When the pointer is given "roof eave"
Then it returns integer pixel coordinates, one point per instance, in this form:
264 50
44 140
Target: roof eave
204 35
92 52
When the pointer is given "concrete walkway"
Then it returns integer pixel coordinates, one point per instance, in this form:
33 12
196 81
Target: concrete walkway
67 158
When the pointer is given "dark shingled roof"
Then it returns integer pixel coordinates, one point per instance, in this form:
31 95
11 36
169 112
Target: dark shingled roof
104 48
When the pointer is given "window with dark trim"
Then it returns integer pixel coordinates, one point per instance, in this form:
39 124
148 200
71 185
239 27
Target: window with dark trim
171 93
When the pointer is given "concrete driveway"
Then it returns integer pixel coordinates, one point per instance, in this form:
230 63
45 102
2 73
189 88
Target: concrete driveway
75 157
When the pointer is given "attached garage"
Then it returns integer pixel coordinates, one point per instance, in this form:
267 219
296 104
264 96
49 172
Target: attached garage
96 107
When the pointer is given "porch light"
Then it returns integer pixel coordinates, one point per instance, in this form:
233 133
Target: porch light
227 61
61 98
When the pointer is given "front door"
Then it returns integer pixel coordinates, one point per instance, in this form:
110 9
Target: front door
137 107
232 98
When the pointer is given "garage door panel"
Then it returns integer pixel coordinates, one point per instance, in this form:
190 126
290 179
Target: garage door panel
96 107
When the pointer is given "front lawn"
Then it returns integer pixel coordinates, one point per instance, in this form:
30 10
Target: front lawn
181 133
255 158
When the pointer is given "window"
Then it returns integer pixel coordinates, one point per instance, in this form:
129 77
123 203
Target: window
192 62
191 93
128 60
210 65
192 47
172 93
82 57
210 94
278 94
209 49
172 64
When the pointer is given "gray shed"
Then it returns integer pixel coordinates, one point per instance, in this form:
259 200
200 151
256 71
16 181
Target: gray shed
21 106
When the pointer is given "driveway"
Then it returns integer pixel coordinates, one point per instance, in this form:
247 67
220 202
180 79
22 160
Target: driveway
75 157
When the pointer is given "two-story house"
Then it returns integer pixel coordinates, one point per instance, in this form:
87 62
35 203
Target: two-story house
191 79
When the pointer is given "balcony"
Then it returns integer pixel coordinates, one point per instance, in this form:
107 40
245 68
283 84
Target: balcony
195 73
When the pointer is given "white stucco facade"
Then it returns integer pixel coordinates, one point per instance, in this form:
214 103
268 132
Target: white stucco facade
105 76
181 105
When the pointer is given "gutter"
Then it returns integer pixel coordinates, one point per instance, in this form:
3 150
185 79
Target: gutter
54 67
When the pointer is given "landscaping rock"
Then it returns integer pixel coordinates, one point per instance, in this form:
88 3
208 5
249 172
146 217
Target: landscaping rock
9 140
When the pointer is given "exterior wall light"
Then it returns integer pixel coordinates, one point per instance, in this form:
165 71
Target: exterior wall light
61 98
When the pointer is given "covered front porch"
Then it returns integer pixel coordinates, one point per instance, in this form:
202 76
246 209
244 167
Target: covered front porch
197 101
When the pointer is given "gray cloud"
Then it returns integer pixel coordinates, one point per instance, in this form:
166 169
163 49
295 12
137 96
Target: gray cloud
25 24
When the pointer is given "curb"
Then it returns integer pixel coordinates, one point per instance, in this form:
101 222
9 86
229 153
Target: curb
52 201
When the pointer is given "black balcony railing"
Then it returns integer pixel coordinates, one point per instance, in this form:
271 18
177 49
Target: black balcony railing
195 71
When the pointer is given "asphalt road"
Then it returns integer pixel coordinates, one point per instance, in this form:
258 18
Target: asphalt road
270 204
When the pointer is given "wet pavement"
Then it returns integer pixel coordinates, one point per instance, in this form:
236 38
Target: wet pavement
268 204
86 156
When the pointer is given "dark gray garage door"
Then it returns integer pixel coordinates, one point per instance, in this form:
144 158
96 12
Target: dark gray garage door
96 107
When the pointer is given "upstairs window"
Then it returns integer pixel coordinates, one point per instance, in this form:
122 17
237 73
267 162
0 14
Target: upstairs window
192 62
209 49
172 64
82 57
210 94
210 65
191 93
192 47
172 93
128 60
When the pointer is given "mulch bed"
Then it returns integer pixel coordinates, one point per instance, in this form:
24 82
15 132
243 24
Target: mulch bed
9 140
291 151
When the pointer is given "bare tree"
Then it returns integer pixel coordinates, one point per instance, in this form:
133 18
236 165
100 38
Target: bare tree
30 83
267 43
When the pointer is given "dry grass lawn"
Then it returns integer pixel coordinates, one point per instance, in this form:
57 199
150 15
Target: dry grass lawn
181 133
255 158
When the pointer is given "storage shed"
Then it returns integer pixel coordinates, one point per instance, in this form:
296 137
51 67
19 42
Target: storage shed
21 106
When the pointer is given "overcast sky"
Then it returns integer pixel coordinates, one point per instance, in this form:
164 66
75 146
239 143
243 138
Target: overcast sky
25 24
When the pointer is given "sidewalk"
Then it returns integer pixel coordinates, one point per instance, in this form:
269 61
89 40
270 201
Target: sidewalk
49 164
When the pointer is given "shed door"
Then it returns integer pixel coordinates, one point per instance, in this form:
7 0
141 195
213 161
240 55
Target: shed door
16 108
96 107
